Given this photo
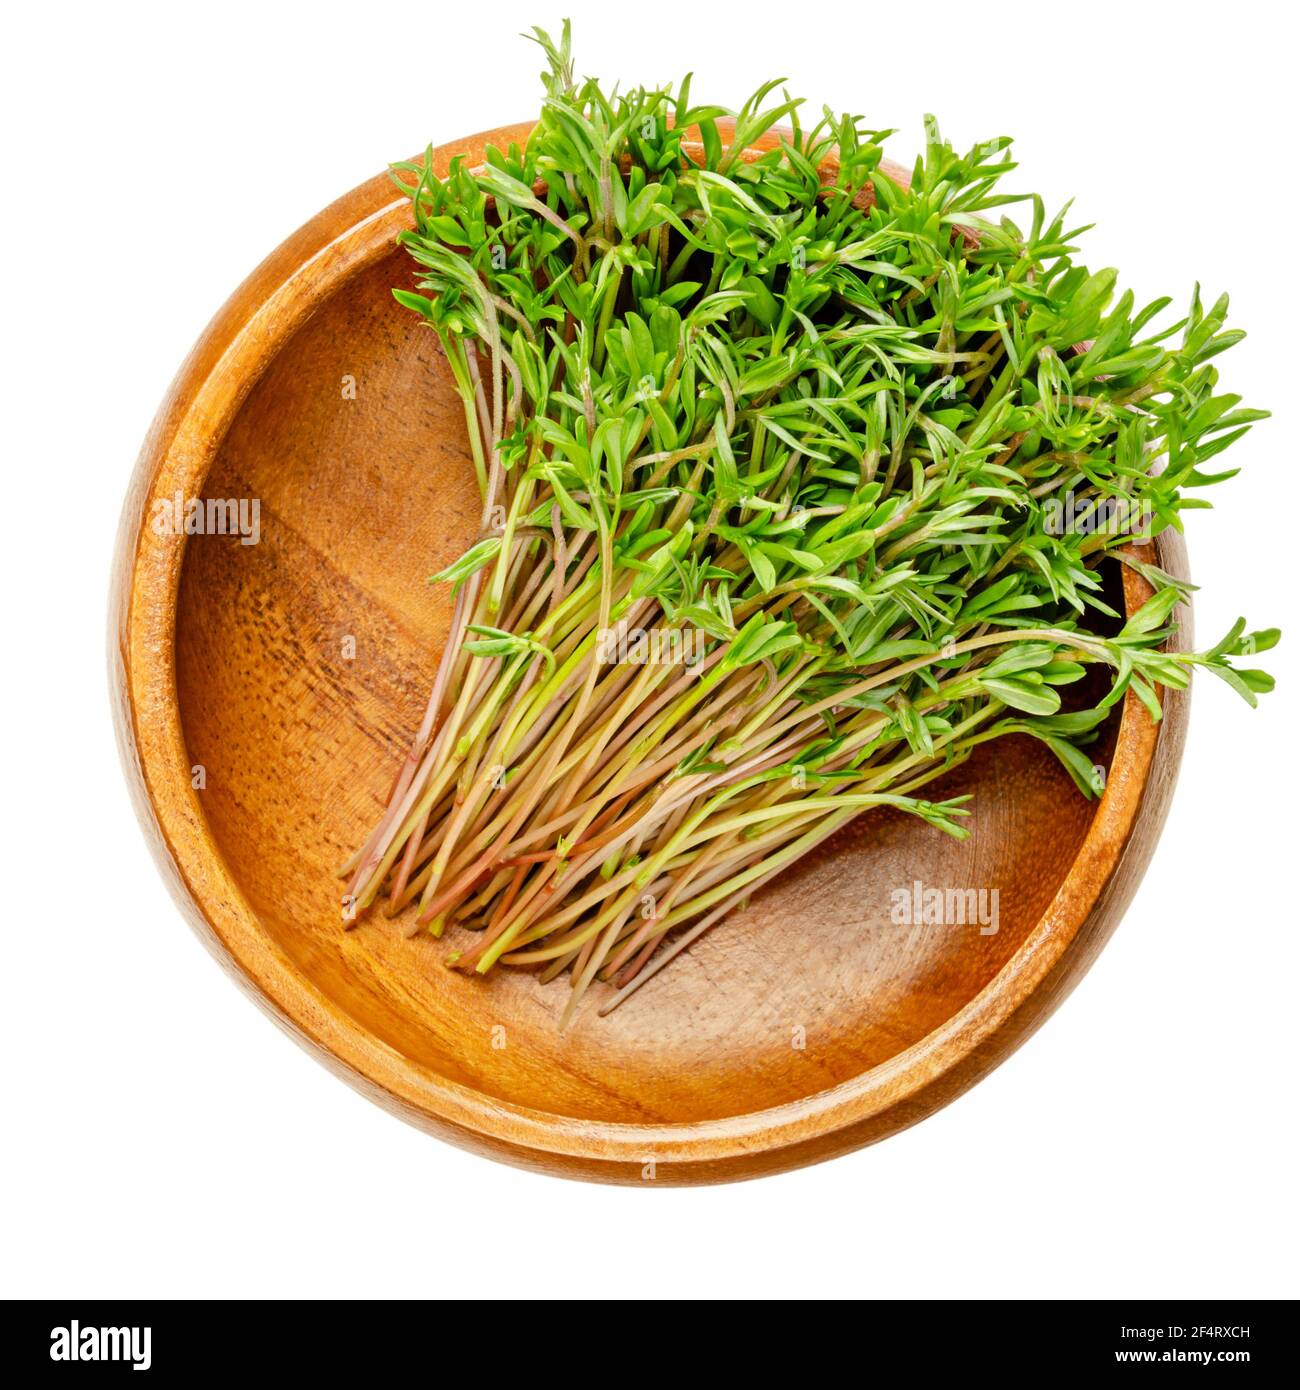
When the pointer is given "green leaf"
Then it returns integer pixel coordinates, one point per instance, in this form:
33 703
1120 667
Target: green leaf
1018 693
481 553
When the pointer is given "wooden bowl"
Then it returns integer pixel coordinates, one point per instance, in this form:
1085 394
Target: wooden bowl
265 693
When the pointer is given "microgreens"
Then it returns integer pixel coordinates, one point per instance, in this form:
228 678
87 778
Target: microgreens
821 420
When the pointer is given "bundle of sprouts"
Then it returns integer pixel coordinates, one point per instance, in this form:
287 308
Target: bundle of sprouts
797 484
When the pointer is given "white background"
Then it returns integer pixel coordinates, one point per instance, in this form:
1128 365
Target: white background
161 1137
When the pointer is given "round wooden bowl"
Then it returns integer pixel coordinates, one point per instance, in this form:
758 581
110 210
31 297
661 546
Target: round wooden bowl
265 693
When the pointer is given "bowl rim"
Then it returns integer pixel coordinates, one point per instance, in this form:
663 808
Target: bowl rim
183 441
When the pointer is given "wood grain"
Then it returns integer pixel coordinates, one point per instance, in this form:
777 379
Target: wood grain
804 1027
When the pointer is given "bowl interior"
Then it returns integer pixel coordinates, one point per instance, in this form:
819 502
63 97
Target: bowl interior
303 665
